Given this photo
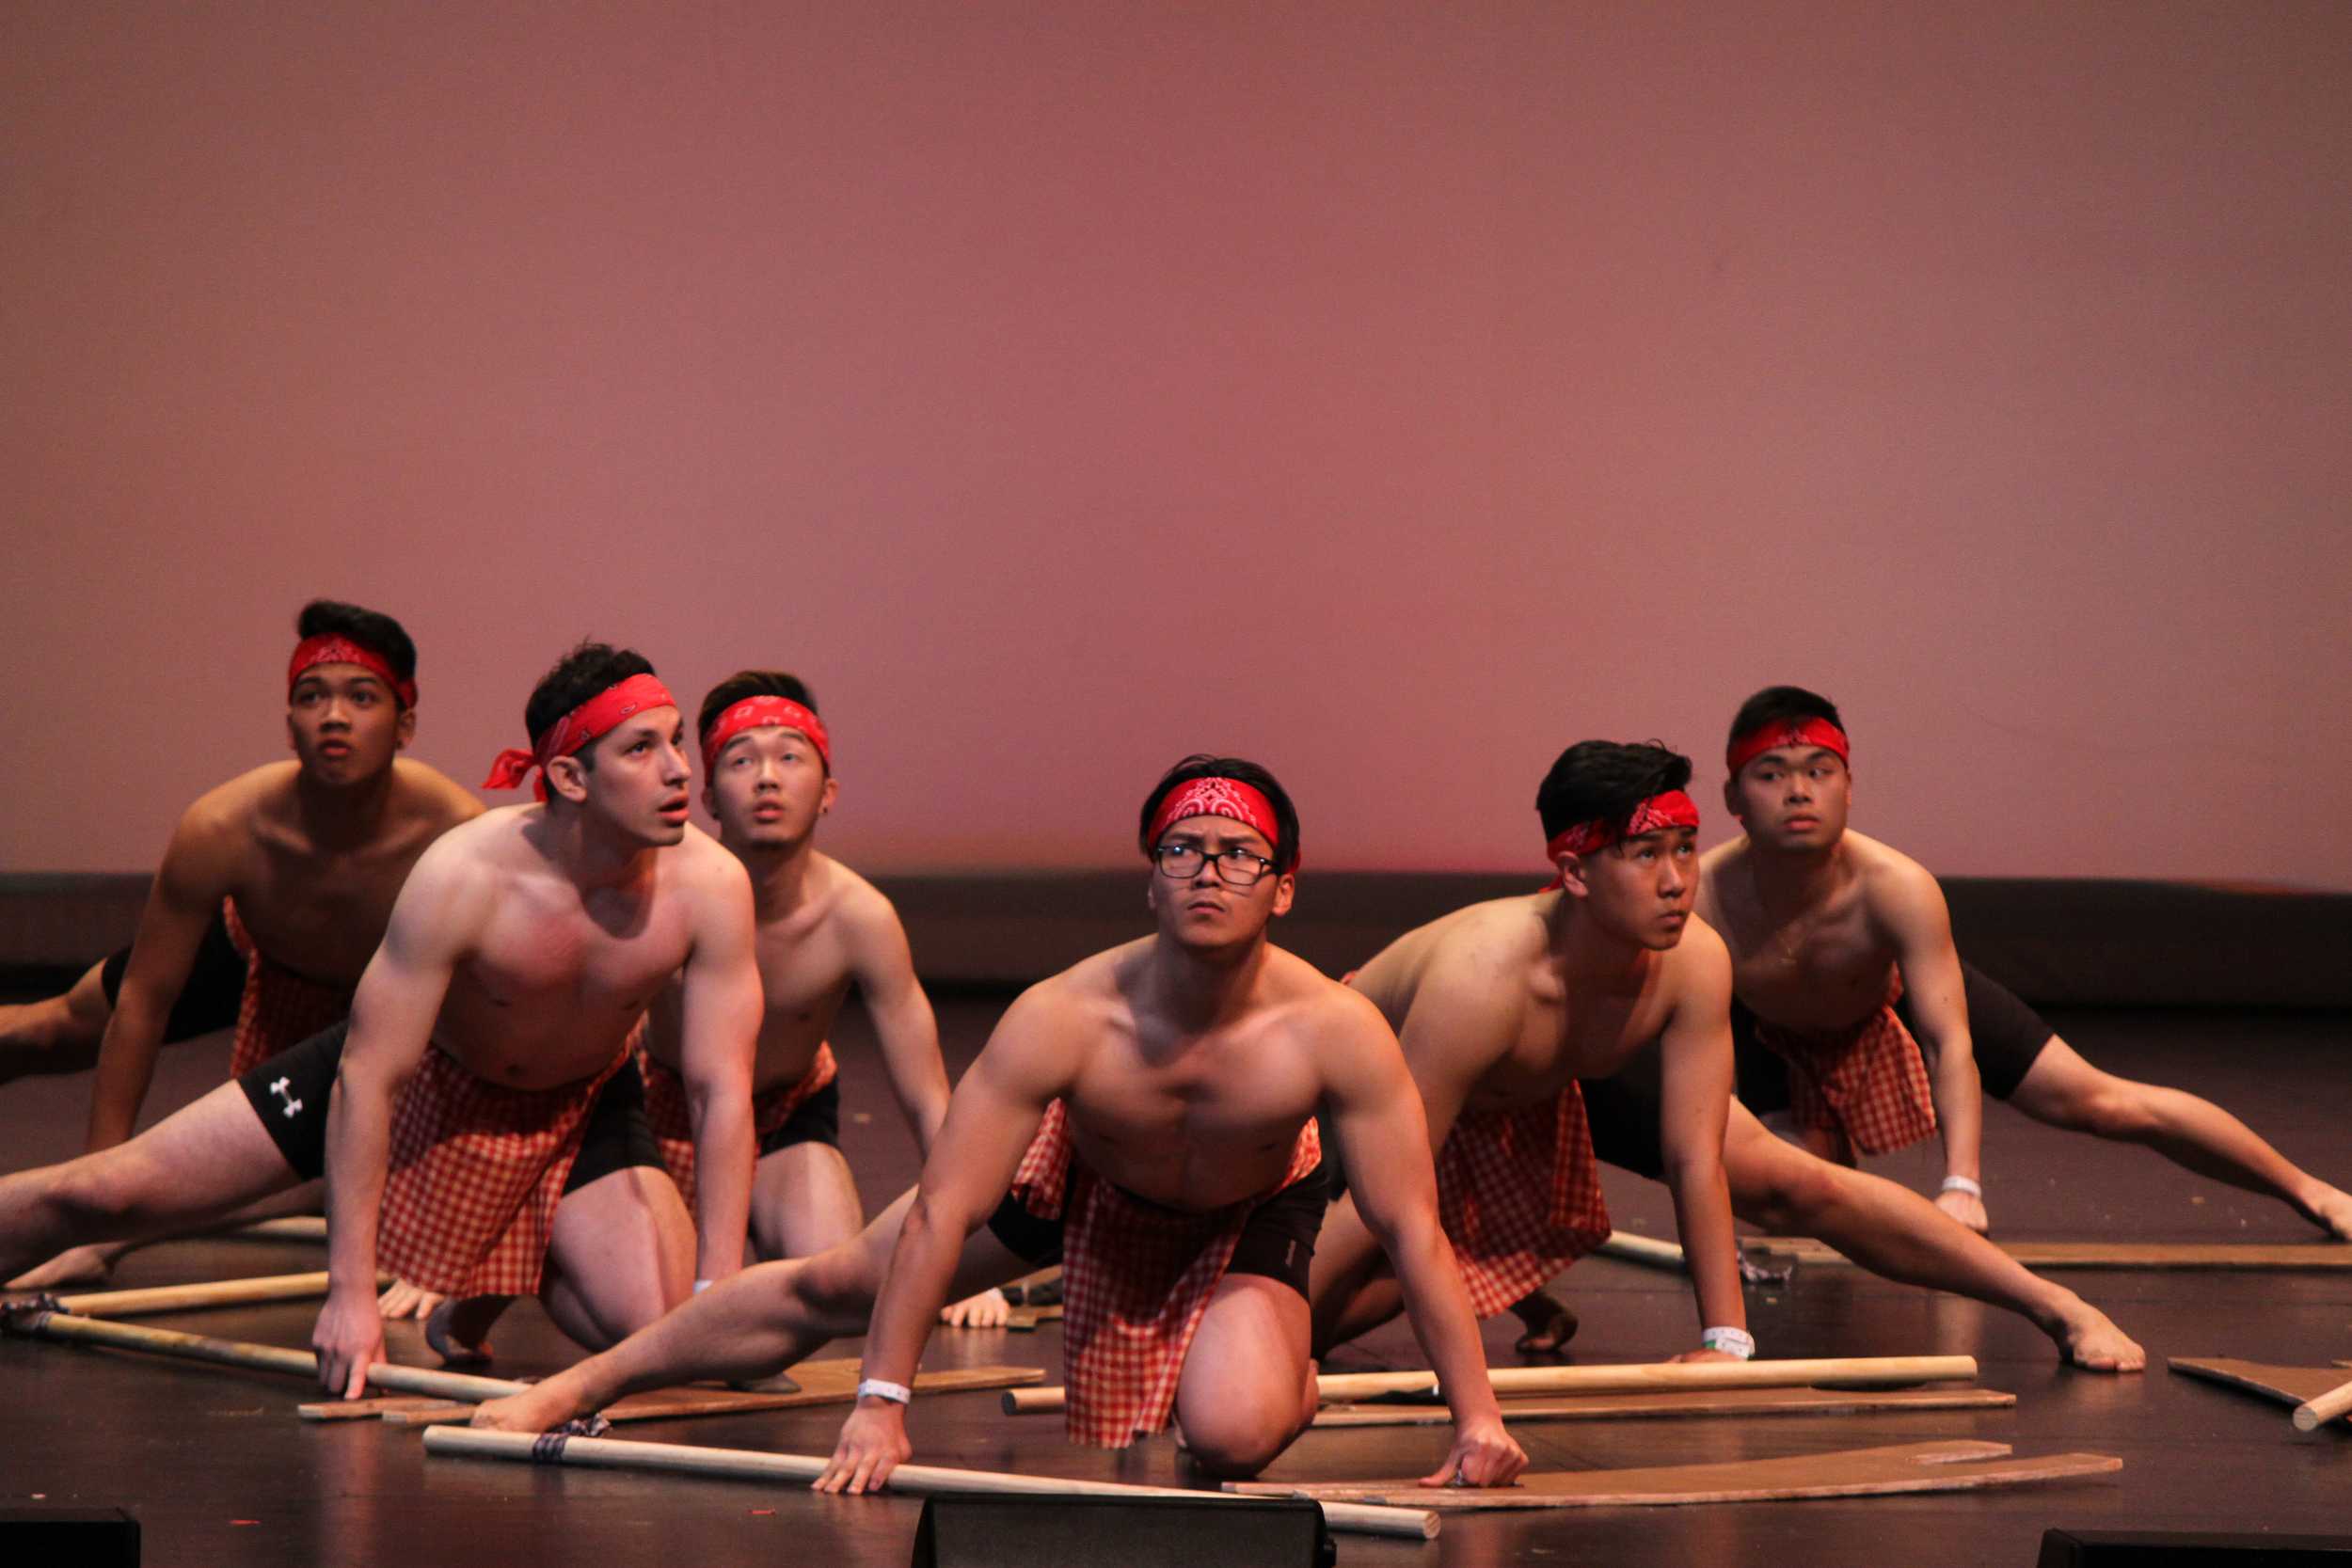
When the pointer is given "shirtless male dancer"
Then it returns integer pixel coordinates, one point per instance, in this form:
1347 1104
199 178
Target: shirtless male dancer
272 894
1177 1175
1499 1003
479 1116
767 778
1844 968
1503 1006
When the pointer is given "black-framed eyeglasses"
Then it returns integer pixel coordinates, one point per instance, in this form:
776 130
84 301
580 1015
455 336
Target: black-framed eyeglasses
1235 867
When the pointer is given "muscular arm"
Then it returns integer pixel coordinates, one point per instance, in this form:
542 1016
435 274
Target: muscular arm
1373 1108
991 1119
194 879
1695 1073
1911 907
718 1006
884 970
438 913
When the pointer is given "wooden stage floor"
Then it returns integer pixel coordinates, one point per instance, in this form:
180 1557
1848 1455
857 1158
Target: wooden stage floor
218 1470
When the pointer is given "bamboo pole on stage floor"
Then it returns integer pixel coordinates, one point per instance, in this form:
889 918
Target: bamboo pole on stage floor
1876 1371
181 1298
918 1479
2312 1414
267 1358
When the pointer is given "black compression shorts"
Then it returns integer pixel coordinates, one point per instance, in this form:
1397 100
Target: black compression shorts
1277 1242
209 999
2007 1035
290 1093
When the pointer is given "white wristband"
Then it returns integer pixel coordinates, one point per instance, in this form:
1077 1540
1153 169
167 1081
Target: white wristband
1731 1342
897 1393
1962 1184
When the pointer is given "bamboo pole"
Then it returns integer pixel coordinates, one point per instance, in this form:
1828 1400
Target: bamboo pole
1877 1371
177 1298
2314 1413
1642 1249
918 1479
267 1358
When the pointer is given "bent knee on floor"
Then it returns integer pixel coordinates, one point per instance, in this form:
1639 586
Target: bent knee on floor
104 1192
1237 1449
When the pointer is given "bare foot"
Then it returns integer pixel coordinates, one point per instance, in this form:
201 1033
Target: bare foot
2332 1210
403 1300
1549 1324
459 1329
989 1309
541 1407
2090 1340
81 1265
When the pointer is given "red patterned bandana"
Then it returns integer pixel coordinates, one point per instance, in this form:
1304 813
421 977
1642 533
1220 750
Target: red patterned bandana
1745 748
596 716
1673 809
332 648
1214 797
760 713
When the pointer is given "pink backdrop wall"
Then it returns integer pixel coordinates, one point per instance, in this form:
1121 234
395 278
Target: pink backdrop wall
1392 392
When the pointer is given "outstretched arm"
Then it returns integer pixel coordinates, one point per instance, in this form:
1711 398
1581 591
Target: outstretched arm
885 968
1375 1111
1695 1073
718 1003
189 886
991 1118
1912 910
438 913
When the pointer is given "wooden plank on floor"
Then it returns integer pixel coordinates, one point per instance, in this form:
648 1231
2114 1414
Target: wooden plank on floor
2286 1385
2107 1255
1726 1401
1954 1465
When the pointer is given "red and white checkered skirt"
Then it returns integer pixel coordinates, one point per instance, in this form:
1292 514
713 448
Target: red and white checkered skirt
476 1172
672 1113
279 1008
1518 1193
1136 1279
1867 1086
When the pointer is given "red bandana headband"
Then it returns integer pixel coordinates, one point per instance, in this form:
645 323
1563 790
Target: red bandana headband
1673 809
1215 797
760 713
598 716
333 648
1745 748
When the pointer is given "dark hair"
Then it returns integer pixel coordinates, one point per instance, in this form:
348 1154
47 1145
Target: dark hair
1606 782
752 683
590 668
1781 704
372 630
1202 765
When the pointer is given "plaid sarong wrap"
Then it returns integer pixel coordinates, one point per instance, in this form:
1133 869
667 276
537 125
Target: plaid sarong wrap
1518 1193
1866 1085
279 1008
475 1174
672 1116
1136 1279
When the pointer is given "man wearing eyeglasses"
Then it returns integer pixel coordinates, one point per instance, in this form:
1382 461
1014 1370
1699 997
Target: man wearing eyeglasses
1146 1119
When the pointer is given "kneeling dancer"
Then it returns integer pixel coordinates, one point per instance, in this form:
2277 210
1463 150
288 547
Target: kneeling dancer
1147 1118
481 1094
270 900
1501 1006
1849 984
